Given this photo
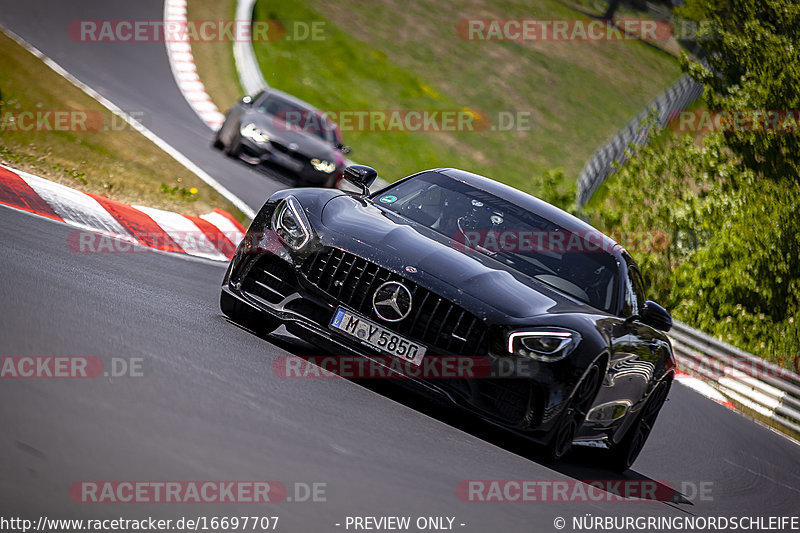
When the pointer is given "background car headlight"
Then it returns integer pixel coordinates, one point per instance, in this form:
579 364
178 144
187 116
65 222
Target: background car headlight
251 131
291 224
323 166
545 344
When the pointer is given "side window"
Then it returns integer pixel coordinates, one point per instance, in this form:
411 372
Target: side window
260 101
634 293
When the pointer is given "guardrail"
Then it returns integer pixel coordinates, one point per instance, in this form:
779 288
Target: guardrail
636 132
755 384
250 76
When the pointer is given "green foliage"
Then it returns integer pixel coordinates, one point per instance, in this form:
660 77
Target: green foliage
732 265
753 64
553 187
731 206
178 193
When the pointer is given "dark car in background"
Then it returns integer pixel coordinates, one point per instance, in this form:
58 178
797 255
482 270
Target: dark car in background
276 131
410 273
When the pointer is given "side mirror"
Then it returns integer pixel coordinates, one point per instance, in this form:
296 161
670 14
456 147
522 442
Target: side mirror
656 316
361 176
344 149
246 100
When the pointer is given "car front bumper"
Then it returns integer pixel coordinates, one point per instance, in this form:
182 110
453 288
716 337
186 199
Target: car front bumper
272 284
296 166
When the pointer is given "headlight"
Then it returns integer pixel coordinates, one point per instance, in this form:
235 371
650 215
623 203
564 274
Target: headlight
323 166
251 131
543 344
291 224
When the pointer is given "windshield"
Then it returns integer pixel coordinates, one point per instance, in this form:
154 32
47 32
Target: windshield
298 118
479 222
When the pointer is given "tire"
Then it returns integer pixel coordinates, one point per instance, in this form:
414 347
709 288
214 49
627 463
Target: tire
246 316
235 147
217 142
623 455
574 415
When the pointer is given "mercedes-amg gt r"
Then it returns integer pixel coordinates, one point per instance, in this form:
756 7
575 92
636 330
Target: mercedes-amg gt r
448 264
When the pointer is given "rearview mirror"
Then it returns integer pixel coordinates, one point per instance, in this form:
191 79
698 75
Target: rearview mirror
656 316
361 176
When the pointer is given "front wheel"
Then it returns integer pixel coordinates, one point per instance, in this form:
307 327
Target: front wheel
235 147
574 415
246 316
625 453
217 142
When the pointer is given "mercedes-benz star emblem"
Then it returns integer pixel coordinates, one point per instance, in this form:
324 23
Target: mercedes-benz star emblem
392 301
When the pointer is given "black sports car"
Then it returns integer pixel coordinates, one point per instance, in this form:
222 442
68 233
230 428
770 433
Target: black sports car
449 264
274 130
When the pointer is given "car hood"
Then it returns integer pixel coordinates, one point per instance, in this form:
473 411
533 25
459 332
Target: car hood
307 143
389 238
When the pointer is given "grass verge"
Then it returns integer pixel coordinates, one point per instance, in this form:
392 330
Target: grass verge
397 56
91 150
214 61
409 56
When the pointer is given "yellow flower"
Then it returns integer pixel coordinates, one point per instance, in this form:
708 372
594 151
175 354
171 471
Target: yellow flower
193 190
427 89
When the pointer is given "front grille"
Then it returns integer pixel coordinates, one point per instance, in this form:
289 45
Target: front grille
270 279
285 149
352 280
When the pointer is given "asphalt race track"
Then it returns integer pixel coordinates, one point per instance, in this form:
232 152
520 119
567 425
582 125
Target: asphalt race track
208 405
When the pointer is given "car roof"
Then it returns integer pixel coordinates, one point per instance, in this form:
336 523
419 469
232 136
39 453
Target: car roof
303 104
532 204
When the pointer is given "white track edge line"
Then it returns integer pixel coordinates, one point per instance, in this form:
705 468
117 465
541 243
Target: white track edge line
155 139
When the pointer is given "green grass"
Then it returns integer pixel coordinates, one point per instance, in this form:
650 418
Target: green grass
398 55
214 61
112 161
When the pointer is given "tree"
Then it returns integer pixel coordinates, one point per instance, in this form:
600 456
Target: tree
613 5
753 64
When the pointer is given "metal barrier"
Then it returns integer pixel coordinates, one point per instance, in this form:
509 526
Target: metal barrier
636 132
250 76
750 381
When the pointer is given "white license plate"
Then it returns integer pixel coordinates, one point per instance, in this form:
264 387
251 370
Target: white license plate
377 336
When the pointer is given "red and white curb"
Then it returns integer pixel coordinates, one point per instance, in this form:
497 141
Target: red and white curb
181 61
212 236
138 126
704 389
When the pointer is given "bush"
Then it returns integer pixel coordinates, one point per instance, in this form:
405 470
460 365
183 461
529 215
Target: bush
732 265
